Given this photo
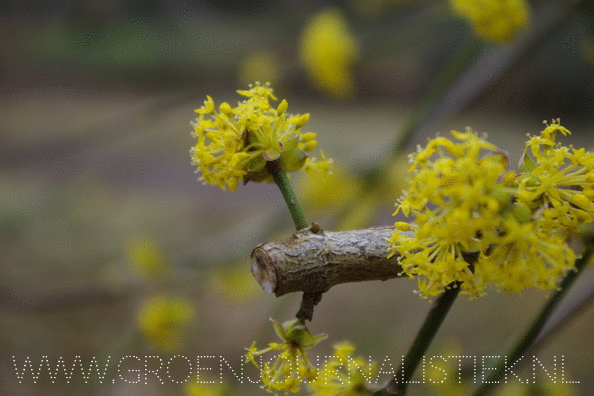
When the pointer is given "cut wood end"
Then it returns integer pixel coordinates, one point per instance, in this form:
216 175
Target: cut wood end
264 270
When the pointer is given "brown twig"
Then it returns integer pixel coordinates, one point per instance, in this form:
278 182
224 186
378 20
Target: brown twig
314 262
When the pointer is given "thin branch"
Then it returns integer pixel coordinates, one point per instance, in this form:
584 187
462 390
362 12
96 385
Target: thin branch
314 262
439 310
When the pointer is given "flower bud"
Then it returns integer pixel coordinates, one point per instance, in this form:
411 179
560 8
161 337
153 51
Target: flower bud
282 107
521 212
302 120
582 201
226 109
293 160
502 196
209 105
311 145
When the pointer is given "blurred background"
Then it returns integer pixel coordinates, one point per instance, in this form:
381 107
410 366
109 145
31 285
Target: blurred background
110 248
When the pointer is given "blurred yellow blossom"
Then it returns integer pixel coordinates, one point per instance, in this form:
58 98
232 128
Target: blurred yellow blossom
374 196
328 51
542 388
445 373
235 283
259 65
348 196
328 193
203 388
478 224
235 143
162 319
344 375
147 257
292 366
494 20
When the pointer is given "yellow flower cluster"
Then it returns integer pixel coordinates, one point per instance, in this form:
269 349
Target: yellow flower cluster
235 143
292 365
478 224
344 375
494 20
162 319
328 51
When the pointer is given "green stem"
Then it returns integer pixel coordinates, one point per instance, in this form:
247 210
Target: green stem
440 308
282 181
528 338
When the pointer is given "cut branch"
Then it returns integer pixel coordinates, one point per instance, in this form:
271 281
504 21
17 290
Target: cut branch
314 262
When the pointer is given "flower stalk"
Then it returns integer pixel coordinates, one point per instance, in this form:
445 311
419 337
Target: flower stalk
284 185
439 310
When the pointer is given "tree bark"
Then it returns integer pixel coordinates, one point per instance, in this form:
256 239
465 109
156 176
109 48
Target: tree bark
313 262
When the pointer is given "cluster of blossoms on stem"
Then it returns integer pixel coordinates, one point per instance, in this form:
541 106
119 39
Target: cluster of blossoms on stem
235 143
342 374
476 223
292 366
497 21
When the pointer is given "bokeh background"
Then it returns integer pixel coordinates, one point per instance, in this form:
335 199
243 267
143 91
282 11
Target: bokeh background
109 247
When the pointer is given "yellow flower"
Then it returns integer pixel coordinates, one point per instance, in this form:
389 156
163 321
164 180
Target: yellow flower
477 224
454 198
344 375
162 319
526 256
235 284
328 193
494 20
558 179
328 51
235 144
146 257
292 365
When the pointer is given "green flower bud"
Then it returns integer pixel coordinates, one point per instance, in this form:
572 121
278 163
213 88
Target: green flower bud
502 196
293 160
521 212
256 164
